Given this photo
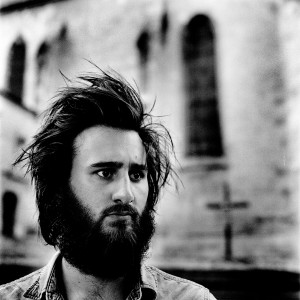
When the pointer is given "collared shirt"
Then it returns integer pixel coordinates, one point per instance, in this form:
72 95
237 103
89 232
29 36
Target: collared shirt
155 285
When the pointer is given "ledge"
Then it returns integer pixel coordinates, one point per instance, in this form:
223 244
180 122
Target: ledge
16 101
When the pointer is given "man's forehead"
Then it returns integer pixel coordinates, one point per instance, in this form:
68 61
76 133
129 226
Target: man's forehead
102 142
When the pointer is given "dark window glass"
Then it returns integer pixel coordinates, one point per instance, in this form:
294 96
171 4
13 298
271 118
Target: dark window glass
203 128
16 70
9 204
143 46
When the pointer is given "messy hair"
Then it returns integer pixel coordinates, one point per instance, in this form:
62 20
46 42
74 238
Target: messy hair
95 99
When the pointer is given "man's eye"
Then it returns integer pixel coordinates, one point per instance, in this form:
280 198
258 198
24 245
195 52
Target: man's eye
137 176
106 174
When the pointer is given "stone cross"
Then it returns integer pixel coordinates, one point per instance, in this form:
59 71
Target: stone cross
227 206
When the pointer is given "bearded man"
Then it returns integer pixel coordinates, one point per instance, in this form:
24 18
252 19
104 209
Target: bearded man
98 163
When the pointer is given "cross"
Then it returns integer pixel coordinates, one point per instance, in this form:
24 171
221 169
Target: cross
227 207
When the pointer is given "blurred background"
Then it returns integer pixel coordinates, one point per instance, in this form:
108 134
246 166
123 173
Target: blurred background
225 75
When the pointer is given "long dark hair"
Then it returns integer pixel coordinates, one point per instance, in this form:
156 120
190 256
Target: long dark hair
98 99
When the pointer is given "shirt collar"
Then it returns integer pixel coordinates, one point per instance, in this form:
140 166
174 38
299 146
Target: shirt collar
148 283
47 283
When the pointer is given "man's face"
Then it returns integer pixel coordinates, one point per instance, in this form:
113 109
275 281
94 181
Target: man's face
109 167
105 225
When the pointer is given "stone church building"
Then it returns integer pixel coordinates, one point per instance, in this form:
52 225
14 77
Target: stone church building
225 74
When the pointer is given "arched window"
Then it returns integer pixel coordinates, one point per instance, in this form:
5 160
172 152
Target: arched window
9 205
42 57
16 69
164 27
41 66
203 125
143 46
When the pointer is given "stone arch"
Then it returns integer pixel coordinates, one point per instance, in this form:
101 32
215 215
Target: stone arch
203 122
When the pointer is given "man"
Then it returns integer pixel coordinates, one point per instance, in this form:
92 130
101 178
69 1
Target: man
98 164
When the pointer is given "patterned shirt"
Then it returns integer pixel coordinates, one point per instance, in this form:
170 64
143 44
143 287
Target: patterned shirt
155 285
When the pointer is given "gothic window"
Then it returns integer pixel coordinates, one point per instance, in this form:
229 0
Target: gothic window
203 124
164 27
16 68
9 204
143 46
41 62
42 57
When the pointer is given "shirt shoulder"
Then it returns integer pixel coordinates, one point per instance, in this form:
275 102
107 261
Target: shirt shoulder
15 290
172 287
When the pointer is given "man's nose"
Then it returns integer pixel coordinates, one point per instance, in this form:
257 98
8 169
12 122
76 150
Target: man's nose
123 192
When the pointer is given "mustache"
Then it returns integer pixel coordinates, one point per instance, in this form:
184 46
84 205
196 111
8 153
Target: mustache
122 209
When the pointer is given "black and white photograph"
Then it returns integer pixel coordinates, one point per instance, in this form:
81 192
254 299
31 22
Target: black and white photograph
150 149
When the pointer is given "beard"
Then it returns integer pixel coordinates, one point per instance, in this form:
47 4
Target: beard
105 249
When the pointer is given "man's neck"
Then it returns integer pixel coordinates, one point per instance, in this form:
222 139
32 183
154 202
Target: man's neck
78 285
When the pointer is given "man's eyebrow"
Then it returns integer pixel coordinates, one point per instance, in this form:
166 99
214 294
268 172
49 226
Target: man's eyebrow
118 165
142 167
107 164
